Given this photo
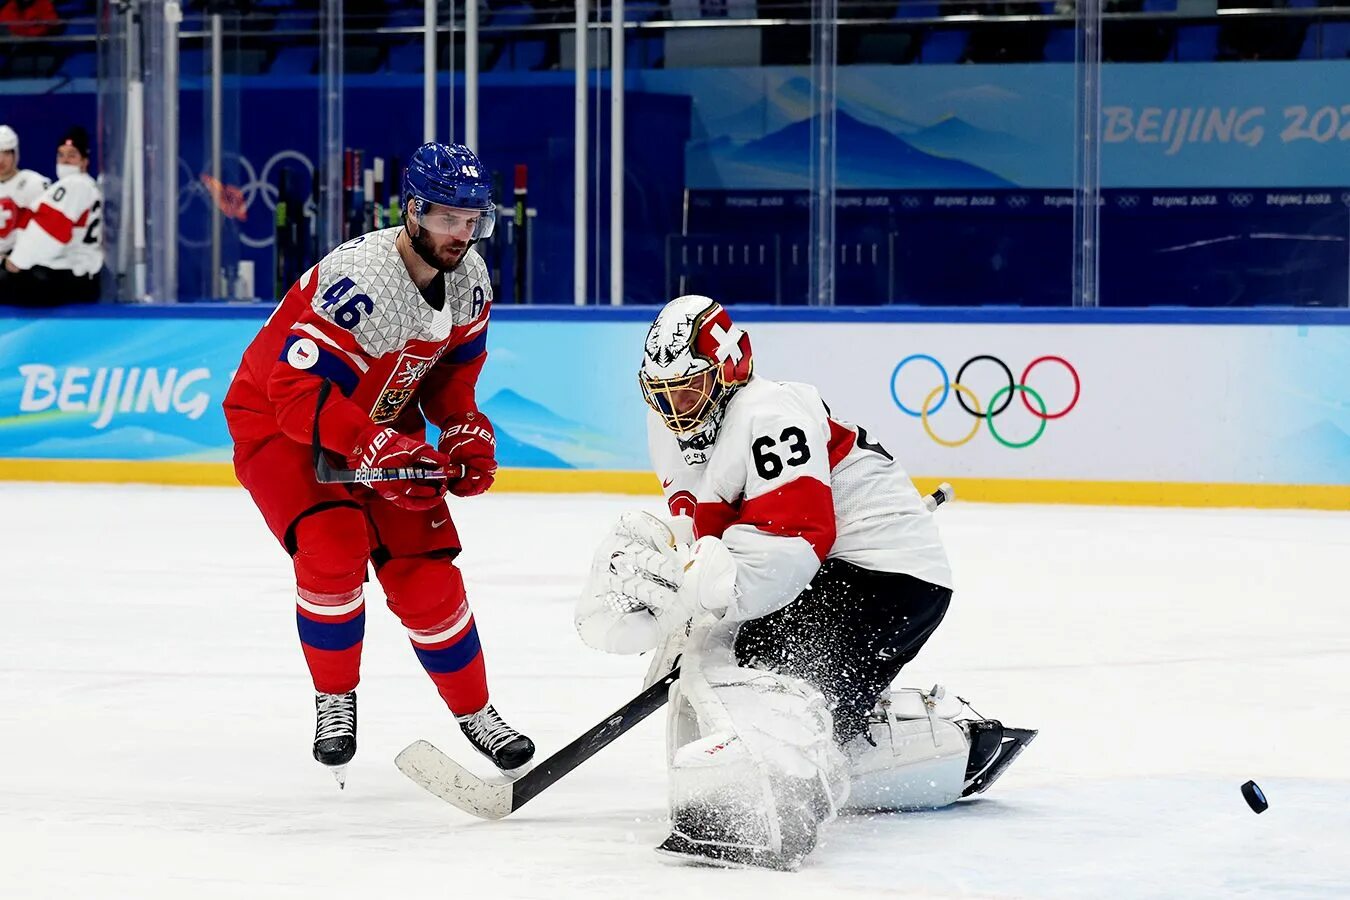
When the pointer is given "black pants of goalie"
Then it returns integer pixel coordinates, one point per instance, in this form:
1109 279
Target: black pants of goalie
849 633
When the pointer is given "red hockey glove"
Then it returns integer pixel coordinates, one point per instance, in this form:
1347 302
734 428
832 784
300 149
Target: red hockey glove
385 448
468 439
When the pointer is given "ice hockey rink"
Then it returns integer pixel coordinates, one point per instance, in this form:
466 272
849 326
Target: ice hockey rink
156 716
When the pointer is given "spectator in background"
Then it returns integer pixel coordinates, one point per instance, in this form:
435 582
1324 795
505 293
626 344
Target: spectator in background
30 18
58 256
19 190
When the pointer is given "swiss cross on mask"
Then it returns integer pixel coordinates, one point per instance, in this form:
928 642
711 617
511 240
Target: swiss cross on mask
728 346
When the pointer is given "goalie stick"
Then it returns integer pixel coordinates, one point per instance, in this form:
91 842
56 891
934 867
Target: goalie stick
327 473
437 773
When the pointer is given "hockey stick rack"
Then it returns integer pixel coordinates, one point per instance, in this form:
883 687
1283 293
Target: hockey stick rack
434 771
327 473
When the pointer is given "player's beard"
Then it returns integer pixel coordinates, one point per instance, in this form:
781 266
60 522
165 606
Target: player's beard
427 252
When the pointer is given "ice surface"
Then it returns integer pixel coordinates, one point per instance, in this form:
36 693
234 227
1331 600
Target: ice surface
156 717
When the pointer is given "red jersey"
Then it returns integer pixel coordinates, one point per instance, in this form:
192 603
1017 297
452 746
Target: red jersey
357 319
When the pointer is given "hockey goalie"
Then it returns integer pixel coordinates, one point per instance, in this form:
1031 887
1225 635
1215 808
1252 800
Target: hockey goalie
797 572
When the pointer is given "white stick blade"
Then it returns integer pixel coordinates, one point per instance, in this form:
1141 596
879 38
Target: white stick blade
432 770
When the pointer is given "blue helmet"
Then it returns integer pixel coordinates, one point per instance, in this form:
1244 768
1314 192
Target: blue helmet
451 175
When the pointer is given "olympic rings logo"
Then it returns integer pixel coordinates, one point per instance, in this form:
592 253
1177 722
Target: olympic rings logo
998 403
257 185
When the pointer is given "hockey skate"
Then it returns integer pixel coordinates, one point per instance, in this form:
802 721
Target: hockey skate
335 732
992 750
491 736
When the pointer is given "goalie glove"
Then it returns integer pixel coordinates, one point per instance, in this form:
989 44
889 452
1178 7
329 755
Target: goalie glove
633 592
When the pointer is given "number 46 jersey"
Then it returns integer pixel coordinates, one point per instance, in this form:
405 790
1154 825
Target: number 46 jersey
357 320
785 487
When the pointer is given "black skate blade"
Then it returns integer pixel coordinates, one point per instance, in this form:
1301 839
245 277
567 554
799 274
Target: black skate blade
340 775
678 849
1015 740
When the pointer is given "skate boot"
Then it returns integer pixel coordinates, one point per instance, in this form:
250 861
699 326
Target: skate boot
492 737
335 732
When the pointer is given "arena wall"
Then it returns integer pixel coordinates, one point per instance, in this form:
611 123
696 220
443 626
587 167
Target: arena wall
1145 407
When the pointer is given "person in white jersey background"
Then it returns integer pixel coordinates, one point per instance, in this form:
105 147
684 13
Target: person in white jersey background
58 254
799 571
19 191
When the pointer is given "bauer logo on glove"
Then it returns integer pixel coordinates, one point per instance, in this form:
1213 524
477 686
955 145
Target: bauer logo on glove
386 448
468 439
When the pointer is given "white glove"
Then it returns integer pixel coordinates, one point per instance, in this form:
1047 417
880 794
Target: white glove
634 584
710 578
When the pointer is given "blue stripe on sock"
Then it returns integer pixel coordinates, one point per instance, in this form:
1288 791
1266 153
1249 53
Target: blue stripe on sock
331 635
452 658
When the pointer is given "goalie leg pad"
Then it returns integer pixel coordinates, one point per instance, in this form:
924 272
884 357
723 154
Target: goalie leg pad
761 773
908 764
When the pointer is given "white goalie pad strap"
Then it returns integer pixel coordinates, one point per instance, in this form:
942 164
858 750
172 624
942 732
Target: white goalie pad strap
912 703
908 764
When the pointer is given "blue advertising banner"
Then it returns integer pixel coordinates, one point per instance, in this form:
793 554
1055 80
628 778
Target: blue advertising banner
1264 418
1185 125
151 389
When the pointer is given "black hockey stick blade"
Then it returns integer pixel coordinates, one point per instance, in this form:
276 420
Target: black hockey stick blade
326 473
447 779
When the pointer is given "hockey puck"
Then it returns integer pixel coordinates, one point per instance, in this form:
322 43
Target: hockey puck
1254 797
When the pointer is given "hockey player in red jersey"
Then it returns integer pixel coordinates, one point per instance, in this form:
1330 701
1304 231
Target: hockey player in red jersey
386 333
798 572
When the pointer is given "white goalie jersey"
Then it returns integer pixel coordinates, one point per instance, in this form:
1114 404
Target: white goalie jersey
785 487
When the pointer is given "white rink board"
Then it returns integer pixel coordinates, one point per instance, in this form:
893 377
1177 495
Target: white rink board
1248 404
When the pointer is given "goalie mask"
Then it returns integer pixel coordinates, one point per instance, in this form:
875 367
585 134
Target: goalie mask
693 361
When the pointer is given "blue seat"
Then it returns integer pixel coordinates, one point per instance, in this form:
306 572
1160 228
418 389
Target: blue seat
1335 40
944 46
642 12
916 9
294 61
1160 5
1061 45
80 65
405 59
192 63
524 55
1197 43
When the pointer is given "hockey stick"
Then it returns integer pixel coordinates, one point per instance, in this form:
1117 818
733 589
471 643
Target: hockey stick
431 769
453 783
327 473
